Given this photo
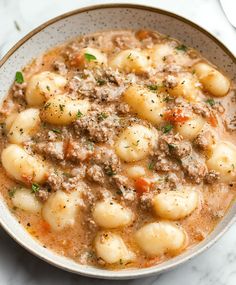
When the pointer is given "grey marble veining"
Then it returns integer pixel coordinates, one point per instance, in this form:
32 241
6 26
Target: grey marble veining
217 266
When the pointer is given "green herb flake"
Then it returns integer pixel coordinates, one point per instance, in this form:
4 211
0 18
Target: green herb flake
151 165
17 26
129 56
11 192
110 172
90 145
89 57
152 87
35 188
101 82
171 146
48 88
119 192
79 114
167 128
56 131
181 48
19 77
102 116
46 105
211 102
61 107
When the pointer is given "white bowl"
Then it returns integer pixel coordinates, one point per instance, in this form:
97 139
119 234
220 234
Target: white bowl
89 20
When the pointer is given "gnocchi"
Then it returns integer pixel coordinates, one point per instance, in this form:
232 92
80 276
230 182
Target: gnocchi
61 208
212 80
191 128
146 104
25 125
109 214
175 205
111 248
62 110
135 143
23 166
42 86
158 238
223 160
187 87
130 61
25 200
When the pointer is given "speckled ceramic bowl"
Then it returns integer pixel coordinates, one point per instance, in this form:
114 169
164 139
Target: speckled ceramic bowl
89 20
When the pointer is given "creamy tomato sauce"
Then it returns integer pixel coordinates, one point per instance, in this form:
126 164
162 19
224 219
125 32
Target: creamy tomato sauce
118 148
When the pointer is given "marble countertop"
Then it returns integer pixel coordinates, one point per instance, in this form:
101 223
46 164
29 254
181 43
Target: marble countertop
17 267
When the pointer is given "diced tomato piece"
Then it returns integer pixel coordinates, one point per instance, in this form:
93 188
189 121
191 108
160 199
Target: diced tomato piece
27 179
77 60
212 120
45 226
175 116
142 186
142 34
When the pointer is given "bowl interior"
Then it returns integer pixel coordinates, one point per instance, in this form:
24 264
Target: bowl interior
91 20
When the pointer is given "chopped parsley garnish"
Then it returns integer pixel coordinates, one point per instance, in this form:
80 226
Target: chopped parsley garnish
102 116
167 128
210 102
61 107
168 99
48 88
56 131
17 26
151 165
152 87
19 77
90 145
79 114
101 81
11 192
171 146
89 57
46 105
129 56
119 192
110 172
181 48
35 188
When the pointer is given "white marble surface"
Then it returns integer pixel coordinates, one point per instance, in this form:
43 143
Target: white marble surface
17 267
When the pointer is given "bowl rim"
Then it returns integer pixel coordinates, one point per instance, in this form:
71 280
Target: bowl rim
133 273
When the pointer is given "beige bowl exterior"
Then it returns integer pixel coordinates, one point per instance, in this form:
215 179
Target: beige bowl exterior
89 20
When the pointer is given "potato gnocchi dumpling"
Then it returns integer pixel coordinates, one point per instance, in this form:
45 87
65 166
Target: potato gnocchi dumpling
24 126
93 56
165 53
61 208
130 61
158 238
175 205
135 171
109 214
223 160
42 86
23 166
191 128
212 80
62 110
111 249
146 104
135 143
25 200
185 85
